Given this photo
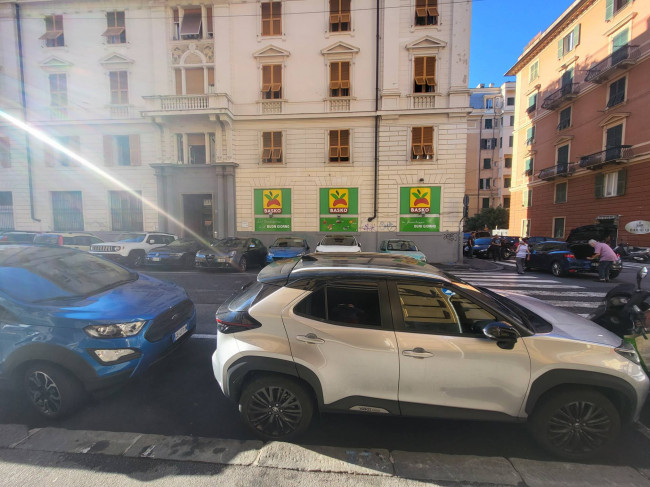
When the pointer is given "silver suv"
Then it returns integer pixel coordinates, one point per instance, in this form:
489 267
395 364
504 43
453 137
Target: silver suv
383 334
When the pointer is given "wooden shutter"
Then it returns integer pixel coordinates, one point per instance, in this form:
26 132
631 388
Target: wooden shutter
266 78
560 48
421 8
277 147
576 36
108 150
194 81
334 144
345 75
345 11
430 71
211 77
600 185
621 182
432 8
266 19
416 142
134 149
427 140
277 79
419 71
335 76
267 146
209 20
609 9
344 142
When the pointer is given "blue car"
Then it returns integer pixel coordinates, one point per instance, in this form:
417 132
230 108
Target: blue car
286 248
563 258
73 324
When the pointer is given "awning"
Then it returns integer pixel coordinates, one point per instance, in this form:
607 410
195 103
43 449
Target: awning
191 24
113 31
51 34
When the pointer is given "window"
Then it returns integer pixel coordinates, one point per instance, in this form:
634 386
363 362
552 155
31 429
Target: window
568 42
6 211
558 228
424 77
5 152
271 147
532 103
58 90
565 119
533 71
485 203
191 81
489 103
126 211
508 162
613 6
506 182
500 142
487 163
611 184
510 140
512 120
67 212
619 46
488 123
196 147
343 303
616 93
530 135
510 101
122 150
525 228
426 12
613 142
421 143
339 150
563 158
489 143
528 198
484 183
567 82
53 156
506 202
271 19
119 87
272 81
528 171
115 32
339 15
53 36
561 192
190 26
340 78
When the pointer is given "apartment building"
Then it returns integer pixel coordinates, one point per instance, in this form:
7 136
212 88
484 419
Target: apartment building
489 146
239 118
582 147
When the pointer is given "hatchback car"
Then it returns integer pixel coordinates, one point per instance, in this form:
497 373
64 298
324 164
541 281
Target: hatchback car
370 333
72 323
563 258
402 247
232 253
338 243
287 247
181 252
79 241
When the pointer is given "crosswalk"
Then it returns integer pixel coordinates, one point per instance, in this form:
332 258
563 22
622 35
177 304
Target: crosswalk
572 297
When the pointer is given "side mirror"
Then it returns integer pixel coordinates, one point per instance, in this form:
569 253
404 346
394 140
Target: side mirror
504 334
641 275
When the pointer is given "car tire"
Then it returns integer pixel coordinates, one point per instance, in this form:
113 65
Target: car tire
274 407
51 390
614 274
556 269
243 264
576 424
136 258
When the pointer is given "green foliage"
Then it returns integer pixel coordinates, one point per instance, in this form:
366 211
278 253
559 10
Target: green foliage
489 218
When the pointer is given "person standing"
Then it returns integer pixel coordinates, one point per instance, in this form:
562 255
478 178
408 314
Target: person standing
495 248
606 257
522 254
470 246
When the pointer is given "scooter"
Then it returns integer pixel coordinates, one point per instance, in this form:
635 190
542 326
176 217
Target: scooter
626 312
634 254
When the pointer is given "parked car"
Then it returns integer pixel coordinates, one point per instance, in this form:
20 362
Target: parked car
181 252
563 258
79 241
286 248
17 237
131 248
481 246
338 243
601 232
402 247
369 333
232 253
72 324
536 240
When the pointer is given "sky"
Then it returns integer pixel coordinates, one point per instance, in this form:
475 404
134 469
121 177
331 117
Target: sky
500 31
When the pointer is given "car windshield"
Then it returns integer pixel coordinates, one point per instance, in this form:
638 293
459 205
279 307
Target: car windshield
37 274
332 240
483 241
402 245
288 242
228 243
132 237
49 239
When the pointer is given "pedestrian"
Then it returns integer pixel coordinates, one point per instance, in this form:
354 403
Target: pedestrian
470 245
522 255
495 248
606 257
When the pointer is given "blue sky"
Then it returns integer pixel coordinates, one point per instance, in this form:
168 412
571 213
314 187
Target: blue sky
500 31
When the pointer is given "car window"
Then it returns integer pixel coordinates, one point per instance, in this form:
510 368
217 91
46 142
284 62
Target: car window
131 237
94 240
554 247
334 240
167 239
71 241
343 303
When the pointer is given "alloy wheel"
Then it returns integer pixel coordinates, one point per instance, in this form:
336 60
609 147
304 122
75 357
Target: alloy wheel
579 426
556 269
274 411
44 393
243 264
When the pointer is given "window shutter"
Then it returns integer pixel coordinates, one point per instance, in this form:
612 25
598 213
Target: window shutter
421 8
600 185
277 140
419 70
277 19
108 150
560 49
430 73
334 143
345 143
345 75
416 141
134 149
576 35
620 184
179 81
335 76
266 19
266 78
277 77
210 77
609 9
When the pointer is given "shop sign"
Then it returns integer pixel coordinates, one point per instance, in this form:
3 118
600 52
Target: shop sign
419 224
339 208
275 224
422 203
272 208
339 224
638 227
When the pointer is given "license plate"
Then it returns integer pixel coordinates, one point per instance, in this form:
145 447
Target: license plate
221 260
155 259
180 332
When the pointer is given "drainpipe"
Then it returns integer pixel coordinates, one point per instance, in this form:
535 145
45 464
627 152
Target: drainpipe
374 214
23 98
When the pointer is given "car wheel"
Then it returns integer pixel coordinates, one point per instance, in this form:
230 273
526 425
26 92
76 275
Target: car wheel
576 424
276 408
243 264
52 391
136 258
614 274
556 269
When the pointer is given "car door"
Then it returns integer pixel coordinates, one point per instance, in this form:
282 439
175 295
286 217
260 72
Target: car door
341 330
260 251
445 359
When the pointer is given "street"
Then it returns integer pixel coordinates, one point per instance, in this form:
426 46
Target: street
181 397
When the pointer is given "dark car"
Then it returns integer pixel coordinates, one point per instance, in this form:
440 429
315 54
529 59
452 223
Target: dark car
72 323
509 246
232 253
564 258
481 246
17 237
536 240
180 252
286 248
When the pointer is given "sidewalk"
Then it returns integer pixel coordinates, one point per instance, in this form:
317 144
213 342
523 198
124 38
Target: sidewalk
74 457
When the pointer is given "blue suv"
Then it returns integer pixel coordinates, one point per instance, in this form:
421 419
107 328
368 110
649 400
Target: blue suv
73 324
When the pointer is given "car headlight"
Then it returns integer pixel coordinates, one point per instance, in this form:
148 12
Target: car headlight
626 350
116 248
116 330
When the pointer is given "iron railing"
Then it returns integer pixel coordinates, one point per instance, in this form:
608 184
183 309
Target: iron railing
563 169
620 58
616 154
555 99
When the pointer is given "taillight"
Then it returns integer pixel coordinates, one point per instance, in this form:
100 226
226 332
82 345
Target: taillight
618 257
570 256
60 240
235 321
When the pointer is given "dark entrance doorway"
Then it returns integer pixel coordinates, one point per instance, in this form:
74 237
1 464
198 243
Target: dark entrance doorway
198 214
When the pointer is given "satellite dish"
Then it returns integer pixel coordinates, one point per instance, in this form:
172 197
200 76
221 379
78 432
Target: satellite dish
498 105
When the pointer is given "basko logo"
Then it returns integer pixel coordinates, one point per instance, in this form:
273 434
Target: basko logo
272 202
420 200
338 200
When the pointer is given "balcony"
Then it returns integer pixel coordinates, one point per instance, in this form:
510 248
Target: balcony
612 155
568 92
120 111
565 169
187 104
339 104
271 106
423 100
623 57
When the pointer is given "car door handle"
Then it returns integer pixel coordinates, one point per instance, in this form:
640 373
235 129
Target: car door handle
310 338
417 352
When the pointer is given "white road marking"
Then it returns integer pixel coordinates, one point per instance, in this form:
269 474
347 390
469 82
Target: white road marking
539 286
201 336
569 294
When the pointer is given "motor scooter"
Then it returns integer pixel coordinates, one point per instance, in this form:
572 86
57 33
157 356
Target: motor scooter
631 253
626 312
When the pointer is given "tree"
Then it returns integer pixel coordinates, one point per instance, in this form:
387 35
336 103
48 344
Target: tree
489 218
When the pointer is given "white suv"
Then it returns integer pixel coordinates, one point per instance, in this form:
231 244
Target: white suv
376 333
131 248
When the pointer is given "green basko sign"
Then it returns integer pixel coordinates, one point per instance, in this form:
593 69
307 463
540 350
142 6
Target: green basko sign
422 205
339 208
419 223
346 224
275 224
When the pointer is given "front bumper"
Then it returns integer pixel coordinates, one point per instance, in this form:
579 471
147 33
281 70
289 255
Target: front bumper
163 260
216 262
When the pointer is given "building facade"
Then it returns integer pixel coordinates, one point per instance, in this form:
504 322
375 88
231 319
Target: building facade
239 118
582 147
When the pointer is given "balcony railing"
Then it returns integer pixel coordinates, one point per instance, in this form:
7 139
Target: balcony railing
611 155
423 100
564 169
183 103
339 104
531 108
271 106
530 140
120 111
555 99
621 58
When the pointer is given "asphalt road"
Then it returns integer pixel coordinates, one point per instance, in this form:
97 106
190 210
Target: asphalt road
181 397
